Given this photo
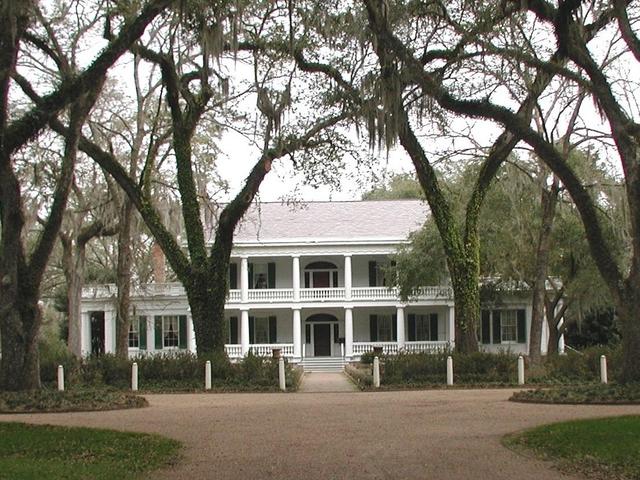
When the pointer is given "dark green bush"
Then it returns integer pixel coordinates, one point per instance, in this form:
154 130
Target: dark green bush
579 367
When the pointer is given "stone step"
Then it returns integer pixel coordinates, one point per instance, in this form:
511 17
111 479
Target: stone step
323 364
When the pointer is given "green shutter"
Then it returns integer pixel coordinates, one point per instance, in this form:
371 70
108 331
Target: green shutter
142 328
158 332
251 280
271 275
273 330
412 327
372 274
433 327
234 330
233 276
373 328
307 280
336 333
486 327
394 327
252 326
522 326
497 334
182 328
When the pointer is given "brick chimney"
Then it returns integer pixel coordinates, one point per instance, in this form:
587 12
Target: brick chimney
159 265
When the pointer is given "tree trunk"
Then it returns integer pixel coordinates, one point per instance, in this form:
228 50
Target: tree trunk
125 259
73 264
466 291
628 310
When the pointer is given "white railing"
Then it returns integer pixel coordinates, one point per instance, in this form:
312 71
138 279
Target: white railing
234 295
266 349
429 347
233 350
428 293
322 294
99 291
174 289
388 348
374 293
271 295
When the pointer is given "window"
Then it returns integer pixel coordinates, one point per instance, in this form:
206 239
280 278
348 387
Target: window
321 275
261 330
385 328
170 331
508 326
134 333
259 280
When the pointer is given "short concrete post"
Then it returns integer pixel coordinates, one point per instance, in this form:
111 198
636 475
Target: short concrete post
342 350
207 375
134 377
603 369
520 370
449 370
281 378
61 378
376 372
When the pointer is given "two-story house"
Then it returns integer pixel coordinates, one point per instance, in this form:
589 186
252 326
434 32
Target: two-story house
310 279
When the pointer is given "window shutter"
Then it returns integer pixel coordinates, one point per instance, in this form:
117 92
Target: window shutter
271 275
522 327
233 328
251 280
142 328
394 327
273 330
497 334
486 327
307 333
252 325
233 276
433 327
412 327
307 280
373 328
336 333
182 328
158 332
372 274
335 279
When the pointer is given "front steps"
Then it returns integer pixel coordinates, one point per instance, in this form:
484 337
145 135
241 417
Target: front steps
323 364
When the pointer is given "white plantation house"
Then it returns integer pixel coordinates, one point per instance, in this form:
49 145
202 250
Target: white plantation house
309 279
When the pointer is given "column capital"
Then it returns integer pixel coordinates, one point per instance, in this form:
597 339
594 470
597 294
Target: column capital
348 254
295 255
348 307
244 257
296 309
401 306
244 309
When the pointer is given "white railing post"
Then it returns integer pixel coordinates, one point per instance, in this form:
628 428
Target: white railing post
281 378
207 375
342 350
520 370
376 372
61 378
449 370
603 369
134 377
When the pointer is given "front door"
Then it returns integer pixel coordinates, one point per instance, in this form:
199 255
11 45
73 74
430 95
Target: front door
97 333
322 340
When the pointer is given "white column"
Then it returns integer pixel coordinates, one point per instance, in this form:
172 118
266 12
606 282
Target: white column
85 334
400 327
191 335
347 276
244 331
452 325
151 333
348 332
296 279
297 334
109 331
244 279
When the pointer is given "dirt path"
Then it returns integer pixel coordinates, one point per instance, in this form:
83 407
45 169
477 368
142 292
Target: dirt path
318 382
404 435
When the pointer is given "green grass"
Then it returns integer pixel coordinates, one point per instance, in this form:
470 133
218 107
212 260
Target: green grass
68 401
44 451
604 447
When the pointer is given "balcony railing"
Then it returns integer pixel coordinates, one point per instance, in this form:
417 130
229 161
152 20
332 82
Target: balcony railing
322 293
271 295
392 348
233 350
266 349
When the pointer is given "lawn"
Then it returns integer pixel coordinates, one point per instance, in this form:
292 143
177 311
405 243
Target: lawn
605 447
43 451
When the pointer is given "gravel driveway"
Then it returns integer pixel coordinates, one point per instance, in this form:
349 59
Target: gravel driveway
451 434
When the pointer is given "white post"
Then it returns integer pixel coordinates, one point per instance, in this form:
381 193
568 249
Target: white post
376 372
304 350
283 385
400 327
244 279
449 370
191 335
348 332
347 276
61 378
520 370
244 331
207 375
297 334
603 369
342 350
109 331
134 377
452 326
296 278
